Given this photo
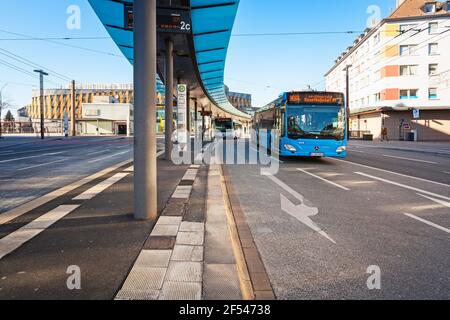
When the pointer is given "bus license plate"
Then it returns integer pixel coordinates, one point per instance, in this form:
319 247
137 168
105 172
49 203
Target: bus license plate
317 154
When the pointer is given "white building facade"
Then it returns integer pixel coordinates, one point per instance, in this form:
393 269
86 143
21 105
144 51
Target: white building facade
400 65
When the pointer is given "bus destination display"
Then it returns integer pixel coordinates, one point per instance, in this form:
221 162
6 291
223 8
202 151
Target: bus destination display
316 98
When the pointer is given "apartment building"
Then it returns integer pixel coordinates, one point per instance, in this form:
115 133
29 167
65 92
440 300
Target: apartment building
399 73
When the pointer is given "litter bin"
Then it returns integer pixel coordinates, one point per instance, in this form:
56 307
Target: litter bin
368 137
411 136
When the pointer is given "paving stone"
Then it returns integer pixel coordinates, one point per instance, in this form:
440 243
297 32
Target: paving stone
170 221
188 291
192 227
164 230
264 295
144 279
160 243
187 253
133 295
190 238
260 281
181 271
221 282
154 258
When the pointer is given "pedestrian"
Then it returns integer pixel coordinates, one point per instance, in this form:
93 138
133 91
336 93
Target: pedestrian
384 134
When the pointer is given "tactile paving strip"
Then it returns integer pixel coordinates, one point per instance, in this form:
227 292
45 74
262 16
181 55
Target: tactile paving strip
181 291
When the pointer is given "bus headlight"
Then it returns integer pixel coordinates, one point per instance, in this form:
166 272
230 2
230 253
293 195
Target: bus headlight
341 149
290 148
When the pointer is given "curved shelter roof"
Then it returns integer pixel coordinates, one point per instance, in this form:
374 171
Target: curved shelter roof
212 23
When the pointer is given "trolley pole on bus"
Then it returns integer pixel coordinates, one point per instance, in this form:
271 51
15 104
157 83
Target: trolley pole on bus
145 161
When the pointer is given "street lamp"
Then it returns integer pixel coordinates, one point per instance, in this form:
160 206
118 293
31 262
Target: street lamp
1 107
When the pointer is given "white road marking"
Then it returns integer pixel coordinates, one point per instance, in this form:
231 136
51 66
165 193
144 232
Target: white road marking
39 156
409 159
427 222
352 150
108 157
392 172
41 165
303 218
17 238
323 179
98 152
403 186
441 202
446 172
102 186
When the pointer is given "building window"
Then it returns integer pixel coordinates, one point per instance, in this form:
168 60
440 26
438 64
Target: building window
408 70
430 7
433 69
433 27
407 27
432 94
408 50
433 49
408 94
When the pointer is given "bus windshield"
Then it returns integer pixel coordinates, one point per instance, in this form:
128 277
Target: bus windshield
316 122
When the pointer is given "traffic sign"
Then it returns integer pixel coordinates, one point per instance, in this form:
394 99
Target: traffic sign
416 114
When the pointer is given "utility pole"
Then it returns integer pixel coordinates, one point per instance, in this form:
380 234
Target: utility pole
73 127
145 161
41 99
169 98
1 107
347 98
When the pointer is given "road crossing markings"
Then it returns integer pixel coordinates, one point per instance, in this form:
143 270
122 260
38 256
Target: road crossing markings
31 157
110 156
301 212
323 179
41 165
427 222
403 186
438 201
102 186
392 172
17 238
409 159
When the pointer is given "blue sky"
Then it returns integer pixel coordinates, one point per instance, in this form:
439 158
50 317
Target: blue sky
262 66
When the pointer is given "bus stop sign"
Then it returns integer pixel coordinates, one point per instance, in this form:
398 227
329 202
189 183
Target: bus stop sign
416 114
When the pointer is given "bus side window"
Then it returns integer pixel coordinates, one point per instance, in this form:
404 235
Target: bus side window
283 123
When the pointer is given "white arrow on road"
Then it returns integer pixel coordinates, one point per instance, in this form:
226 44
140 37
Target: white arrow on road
303 213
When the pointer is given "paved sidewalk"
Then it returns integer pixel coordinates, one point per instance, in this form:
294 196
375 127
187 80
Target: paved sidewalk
184 259
440 148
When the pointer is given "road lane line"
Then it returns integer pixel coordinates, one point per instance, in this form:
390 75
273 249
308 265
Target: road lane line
351 150
102 186
41 155
272 157
41 165
446 172
409 159
441 202
323 179
403 186
33 204
98 152
110 156
427 222
17 238
392 172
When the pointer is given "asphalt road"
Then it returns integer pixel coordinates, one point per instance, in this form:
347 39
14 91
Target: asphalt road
320 224
35 168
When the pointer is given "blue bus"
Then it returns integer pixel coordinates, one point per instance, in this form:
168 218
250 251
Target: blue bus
309 124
